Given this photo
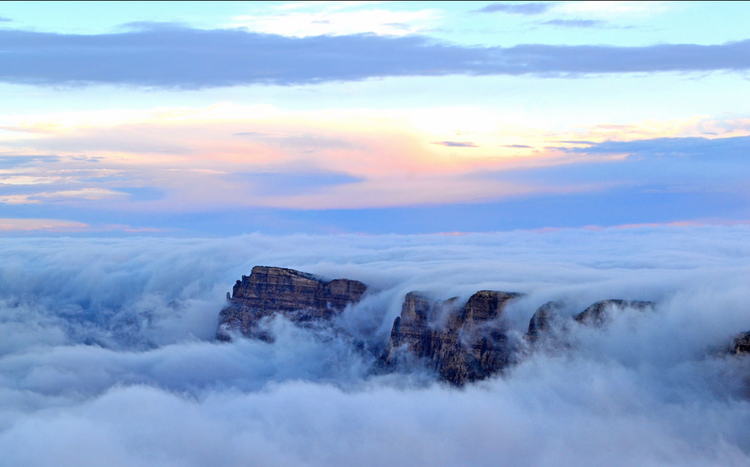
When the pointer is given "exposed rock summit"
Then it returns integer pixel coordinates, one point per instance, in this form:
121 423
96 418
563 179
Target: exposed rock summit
543 320
600 312
297 295
461 344
741 344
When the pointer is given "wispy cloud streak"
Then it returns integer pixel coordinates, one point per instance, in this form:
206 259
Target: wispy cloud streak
576 23
535 8
456 144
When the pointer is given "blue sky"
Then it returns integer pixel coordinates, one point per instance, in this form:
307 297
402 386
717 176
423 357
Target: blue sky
373 117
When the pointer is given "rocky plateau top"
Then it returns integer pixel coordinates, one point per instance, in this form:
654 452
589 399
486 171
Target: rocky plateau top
297 295
460 342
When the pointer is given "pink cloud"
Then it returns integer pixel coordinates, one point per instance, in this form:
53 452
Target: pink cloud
53 225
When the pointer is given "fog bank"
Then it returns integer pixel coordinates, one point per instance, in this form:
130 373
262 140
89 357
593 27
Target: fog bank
108 357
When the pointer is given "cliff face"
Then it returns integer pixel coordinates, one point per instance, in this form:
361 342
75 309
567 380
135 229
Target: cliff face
461 344
297 295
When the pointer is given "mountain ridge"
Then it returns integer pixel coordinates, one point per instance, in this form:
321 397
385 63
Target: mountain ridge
459 342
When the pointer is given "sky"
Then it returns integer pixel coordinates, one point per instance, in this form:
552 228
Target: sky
371 117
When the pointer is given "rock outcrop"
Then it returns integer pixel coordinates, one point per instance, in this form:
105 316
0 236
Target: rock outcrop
550 329
741 344
600 312
542 321
297 295
461 344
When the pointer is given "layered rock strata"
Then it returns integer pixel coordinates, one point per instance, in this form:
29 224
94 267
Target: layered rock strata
297 295
461 344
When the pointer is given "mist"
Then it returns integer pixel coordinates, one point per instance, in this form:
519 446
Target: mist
108 356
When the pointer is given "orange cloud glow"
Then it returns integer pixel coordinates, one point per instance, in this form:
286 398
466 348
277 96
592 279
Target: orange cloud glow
197 156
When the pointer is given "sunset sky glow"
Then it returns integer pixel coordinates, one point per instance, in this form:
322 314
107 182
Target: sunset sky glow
372 117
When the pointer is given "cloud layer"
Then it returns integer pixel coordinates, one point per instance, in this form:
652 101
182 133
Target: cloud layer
176 57
381 182
107 354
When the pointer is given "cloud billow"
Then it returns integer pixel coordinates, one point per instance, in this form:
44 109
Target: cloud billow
103 337
171 56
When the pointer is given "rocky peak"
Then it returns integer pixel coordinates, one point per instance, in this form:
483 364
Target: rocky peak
416 310
461 345
297 295
542 321
484 306
549 329
600 312
741 344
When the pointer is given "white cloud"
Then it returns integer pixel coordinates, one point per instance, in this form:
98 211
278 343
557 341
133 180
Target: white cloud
611 10
337 19
107 343
17 199
26 180
83 193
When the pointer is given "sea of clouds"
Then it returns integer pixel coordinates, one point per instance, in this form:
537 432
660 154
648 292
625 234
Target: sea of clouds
108 357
